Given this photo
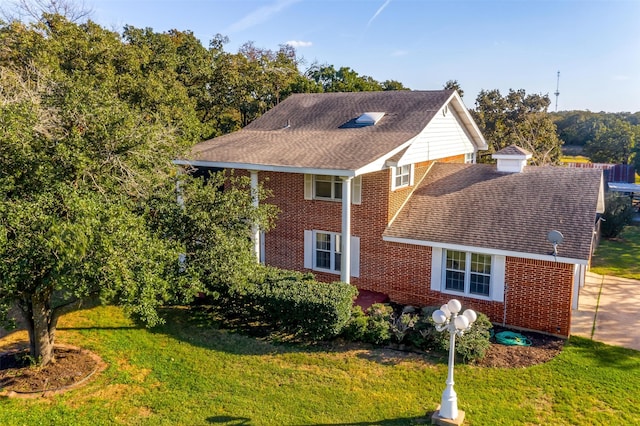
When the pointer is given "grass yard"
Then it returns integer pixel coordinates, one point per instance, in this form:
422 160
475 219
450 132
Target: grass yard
188 372
621 256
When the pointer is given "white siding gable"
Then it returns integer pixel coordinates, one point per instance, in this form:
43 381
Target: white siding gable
444 136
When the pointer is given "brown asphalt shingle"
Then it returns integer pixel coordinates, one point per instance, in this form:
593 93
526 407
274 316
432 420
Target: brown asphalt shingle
474 205
317 130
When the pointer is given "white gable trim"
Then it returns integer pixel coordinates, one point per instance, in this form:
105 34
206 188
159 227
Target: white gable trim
485 250
266 168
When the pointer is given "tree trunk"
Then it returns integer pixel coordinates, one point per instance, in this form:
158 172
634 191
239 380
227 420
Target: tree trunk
40 334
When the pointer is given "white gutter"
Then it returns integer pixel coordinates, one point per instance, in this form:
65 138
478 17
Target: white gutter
484 250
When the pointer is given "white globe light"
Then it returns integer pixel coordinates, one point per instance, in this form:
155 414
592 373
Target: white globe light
454 306
462 322
471 315
445 310
439 317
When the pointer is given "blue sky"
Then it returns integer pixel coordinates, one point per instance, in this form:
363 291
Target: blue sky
595 44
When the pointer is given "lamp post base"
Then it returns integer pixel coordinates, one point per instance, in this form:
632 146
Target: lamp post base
441 421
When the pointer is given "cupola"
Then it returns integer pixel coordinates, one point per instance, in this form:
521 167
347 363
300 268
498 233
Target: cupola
512 159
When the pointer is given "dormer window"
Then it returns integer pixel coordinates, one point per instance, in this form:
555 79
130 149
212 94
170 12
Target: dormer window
369 118
402 176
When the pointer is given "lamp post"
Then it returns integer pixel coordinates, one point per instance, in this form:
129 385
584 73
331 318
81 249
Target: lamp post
447 318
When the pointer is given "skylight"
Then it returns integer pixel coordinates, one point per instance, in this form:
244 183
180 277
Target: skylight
369 118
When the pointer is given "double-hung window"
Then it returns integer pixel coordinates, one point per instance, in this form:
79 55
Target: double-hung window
327 252
402 176
468 273
327 187
323 251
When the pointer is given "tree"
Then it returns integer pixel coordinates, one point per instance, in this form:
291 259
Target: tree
520 119
35 9
90 124
342 80
454 85
613 143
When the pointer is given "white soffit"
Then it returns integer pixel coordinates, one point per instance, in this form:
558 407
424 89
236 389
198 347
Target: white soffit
369 118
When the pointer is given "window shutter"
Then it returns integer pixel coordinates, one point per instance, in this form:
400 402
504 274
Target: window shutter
356 190
308 249
497 278
308 187
355 257
436 269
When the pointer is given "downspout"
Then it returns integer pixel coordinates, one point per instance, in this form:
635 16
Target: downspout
345 265
504 313
255 231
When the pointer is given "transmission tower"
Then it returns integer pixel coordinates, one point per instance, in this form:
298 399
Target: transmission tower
557 92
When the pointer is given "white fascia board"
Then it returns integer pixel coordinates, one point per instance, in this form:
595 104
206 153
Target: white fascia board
465 116
381 163
484 250
266 168
600 206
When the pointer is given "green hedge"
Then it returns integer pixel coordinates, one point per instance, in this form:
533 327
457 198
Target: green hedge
294 302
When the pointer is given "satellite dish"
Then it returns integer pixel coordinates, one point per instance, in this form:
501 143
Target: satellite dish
555 238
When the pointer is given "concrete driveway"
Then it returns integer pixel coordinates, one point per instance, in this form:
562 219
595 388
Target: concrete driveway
609 311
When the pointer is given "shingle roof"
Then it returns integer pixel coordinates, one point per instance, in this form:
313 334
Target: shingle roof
474 205
513 150
318 130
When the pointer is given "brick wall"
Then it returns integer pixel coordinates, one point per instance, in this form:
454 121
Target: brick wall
538 296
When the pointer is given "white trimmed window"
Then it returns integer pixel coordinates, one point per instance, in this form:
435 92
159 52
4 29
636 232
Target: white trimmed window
327 251
402 176
325 187
469 157
323 251
470 274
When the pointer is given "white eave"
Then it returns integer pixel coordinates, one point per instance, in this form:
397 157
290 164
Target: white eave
485 250
266 168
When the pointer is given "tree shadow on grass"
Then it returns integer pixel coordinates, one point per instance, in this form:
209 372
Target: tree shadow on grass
198 327
605 355
244 421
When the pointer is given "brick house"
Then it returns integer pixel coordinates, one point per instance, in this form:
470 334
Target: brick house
380 189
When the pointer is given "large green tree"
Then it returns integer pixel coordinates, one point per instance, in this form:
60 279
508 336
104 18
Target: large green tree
520 119
90 123
614 142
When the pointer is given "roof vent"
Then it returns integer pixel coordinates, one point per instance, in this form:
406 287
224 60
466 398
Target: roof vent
512 159
369 118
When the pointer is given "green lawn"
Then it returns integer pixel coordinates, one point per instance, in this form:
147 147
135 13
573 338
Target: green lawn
620 256
188 372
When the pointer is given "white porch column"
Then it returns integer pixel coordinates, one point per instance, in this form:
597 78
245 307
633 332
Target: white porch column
255 231
345 266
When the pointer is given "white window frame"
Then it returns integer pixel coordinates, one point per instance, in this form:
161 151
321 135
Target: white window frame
470 158
335 248
402 173
336 194
310 252
467 272
310 189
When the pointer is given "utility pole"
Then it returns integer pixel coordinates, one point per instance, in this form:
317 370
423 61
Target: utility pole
557 92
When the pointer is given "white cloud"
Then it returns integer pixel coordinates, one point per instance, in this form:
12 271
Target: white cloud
261 15
621 78
299 43
378 12
396 53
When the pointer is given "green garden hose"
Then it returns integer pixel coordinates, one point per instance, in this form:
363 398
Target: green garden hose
510 338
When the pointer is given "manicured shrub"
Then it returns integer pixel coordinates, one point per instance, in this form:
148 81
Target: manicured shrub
472 345
310 309
356 326
378 324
